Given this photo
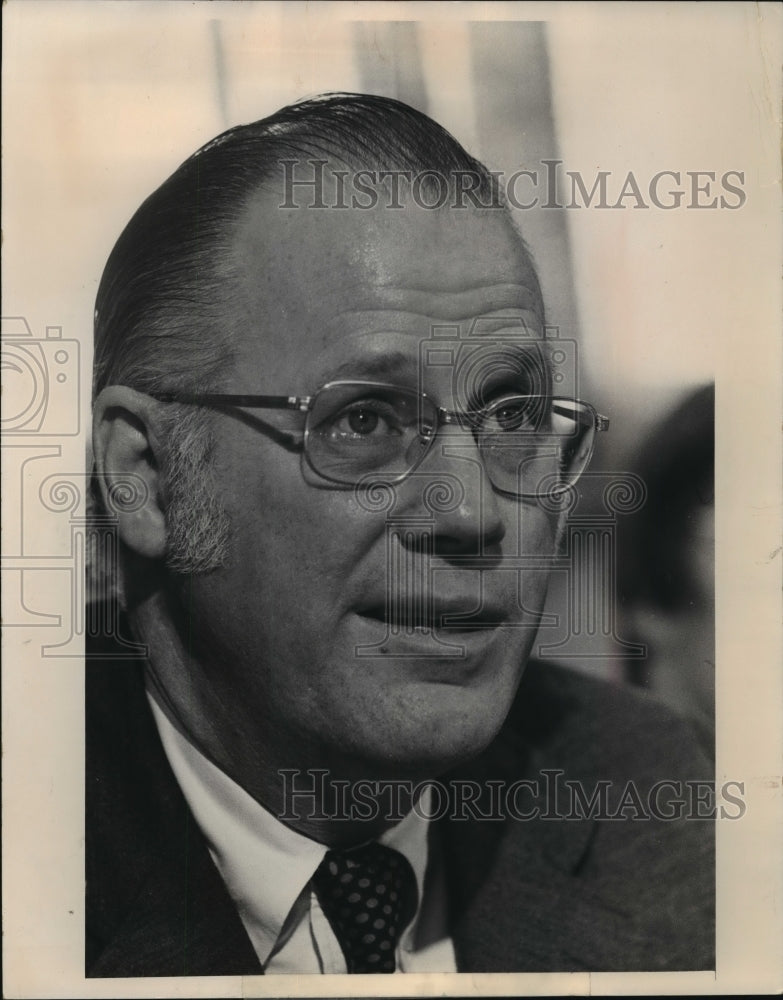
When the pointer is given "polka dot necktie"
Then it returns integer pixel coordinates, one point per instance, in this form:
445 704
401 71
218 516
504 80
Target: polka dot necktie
369 897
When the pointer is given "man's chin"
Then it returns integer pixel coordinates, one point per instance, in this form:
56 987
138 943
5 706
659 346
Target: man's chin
446 727
420 707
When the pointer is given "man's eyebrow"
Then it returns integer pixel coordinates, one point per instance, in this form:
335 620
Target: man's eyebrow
399 365
375 366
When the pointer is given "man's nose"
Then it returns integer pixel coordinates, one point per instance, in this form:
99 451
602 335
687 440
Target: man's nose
453 487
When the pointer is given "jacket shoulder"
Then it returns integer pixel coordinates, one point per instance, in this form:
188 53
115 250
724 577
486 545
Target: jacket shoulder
600 727
586 867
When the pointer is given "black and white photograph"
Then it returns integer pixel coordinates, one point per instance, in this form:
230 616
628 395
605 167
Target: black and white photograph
391 558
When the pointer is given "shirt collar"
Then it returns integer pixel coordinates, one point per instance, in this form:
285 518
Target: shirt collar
264 863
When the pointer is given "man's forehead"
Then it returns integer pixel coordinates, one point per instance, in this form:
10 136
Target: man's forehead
316 288
451 250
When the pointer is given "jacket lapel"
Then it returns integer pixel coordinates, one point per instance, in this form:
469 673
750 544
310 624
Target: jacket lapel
182 923
576 894
516 899
156 904
511 881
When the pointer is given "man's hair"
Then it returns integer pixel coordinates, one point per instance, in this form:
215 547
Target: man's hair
158 313
160 308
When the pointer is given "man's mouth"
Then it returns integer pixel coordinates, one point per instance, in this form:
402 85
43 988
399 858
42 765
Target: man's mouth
445 616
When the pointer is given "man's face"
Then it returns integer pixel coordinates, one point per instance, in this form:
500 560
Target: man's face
281 636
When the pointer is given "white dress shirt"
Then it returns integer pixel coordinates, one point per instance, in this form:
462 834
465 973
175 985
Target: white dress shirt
267 869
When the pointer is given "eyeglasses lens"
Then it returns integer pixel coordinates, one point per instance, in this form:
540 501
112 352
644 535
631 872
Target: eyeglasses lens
529 444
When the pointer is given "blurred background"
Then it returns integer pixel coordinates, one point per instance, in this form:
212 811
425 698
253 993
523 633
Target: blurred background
102 103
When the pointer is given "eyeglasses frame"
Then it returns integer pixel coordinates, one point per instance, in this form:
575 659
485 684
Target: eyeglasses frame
305 404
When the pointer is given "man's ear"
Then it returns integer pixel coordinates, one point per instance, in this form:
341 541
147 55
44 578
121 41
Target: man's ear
127 455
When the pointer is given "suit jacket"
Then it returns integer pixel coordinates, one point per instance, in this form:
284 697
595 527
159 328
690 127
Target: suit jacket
579 894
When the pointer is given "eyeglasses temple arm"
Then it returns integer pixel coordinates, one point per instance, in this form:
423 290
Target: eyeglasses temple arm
229 403
301 403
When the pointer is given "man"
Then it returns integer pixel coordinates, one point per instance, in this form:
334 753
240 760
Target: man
319 360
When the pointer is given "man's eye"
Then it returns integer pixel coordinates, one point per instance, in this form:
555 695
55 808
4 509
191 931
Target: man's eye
364 420
511 416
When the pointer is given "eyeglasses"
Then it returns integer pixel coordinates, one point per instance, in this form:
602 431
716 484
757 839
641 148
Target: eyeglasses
357 432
